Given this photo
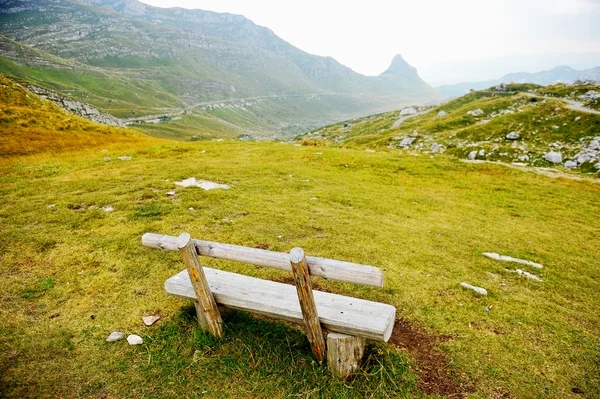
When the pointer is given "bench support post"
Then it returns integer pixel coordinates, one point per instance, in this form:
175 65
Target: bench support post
207 312
307 303
344 354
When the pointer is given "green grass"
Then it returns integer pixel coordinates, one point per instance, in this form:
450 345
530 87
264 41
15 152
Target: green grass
543 124
424 221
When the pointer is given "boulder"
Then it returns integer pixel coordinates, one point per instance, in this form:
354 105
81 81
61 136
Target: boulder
441 114
570 164
472 155
553 157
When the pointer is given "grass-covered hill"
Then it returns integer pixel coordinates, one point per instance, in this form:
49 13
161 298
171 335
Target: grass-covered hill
525 124
31 125
73 267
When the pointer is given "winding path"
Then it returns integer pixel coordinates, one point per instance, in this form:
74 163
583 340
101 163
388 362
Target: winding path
572 105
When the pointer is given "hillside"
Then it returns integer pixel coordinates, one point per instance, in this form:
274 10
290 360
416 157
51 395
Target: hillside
524 124
31 125
559 74
130 60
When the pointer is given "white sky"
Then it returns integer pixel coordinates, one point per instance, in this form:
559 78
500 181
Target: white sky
446 40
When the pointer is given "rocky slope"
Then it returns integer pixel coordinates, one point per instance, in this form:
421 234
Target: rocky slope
522 124
157 60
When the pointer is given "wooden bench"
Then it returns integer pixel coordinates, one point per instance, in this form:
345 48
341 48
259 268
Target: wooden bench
350 321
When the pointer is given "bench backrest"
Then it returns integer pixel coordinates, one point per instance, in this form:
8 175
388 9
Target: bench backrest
329 269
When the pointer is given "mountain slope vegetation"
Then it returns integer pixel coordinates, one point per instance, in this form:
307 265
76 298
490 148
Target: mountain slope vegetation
31 125
131 59
514 123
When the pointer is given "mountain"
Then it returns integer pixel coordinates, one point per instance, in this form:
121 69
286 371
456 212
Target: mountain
559 74
130 59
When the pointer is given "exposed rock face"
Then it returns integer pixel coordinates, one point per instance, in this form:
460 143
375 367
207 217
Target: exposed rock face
76 107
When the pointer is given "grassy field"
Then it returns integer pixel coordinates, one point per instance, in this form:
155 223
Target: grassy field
73 273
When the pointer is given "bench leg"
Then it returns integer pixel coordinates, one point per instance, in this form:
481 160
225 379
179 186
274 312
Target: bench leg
208 314
344 354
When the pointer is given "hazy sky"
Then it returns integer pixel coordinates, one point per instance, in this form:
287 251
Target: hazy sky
447 41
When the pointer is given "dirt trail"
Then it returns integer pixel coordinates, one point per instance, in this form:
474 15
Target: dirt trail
571 104
549 172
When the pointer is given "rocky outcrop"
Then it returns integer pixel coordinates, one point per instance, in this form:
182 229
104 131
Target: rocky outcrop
76 107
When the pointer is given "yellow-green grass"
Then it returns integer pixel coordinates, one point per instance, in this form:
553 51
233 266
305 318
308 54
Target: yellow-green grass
424 221
30 125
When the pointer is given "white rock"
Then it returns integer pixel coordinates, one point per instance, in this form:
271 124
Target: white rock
106 159
314 199
204 184
570 164
115 336
504 258
191 209
149 320
441 114
597 166
171 193
124 158
475 112
481 153
108 208
135 339
578 118
594 144
553 157
513 136
406 142
51 206
369 150
478 290
472 155
408 111
528 275
524 158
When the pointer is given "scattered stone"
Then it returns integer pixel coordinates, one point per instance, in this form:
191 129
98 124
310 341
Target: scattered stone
314 199
406 142
475 112
570 164
436 148
106 159
523 158
171 193
441 114
528 275
472 155
108 208
135 339
553 157
124 158
513 136
204 184
115 336
369 150
597 166
594 144
555 127
478 290
481 153
191 209
408 111
51 206
504 258
150 320
578 118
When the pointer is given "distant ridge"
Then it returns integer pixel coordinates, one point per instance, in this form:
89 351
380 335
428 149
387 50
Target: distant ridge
559 74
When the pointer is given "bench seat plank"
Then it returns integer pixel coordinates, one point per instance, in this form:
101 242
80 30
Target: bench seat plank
337 313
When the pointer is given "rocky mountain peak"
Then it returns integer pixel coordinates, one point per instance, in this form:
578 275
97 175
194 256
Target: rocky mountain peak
400 67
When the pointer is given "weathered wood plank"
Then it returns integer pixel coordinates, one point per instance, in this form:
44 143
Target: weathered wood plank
337 313
208 314
344 354
307 303
329 269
